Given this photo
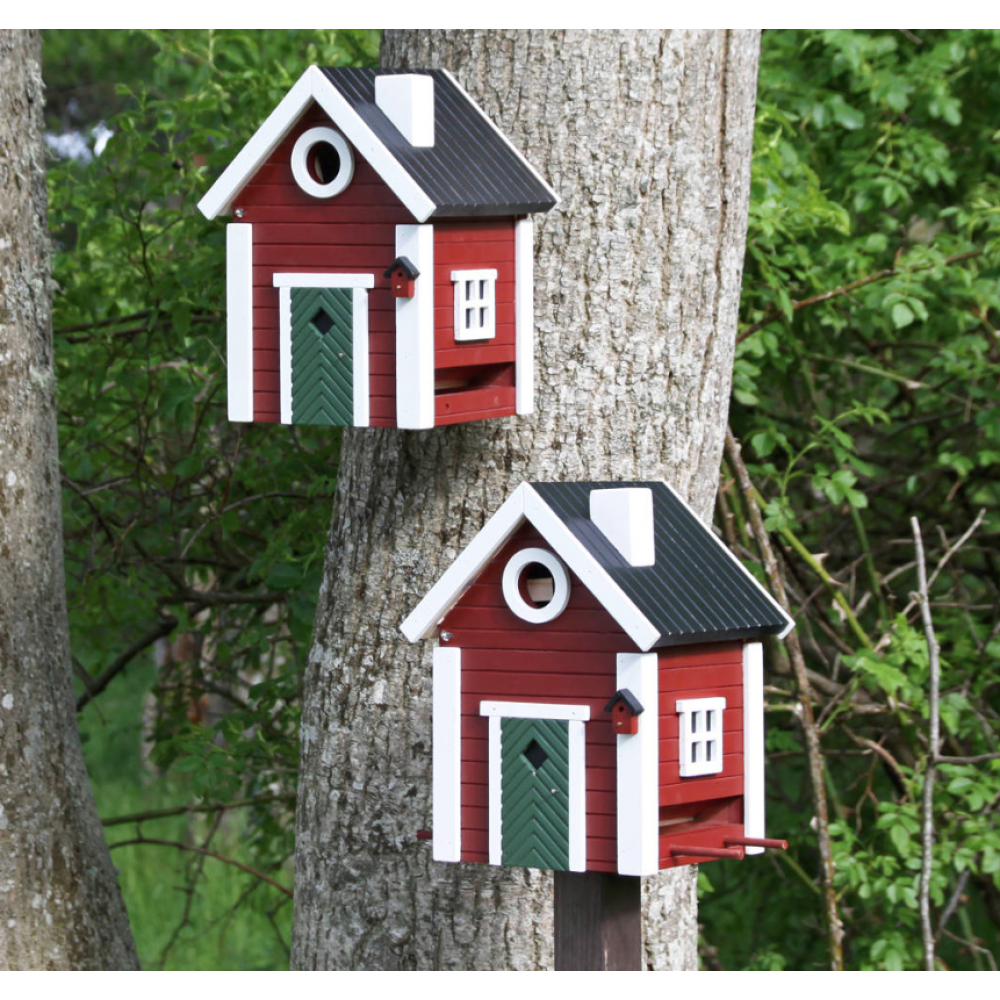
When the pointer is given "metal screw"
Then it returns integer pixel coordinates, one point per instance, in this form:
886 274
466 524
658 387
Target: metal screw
555 791
341 354
446 637
239 213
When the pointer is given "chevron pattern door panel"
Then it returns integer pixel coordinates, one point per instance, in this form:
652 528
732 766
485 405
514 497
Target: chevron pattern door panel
535 793
323 356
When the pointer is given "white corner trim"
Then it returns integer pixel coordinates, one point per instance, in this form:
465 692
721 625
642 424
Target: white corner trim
285 352
541 180
261 144
594 577
524 316
495 811
415 332
360 363
284 279
239 320
624 515
446 731
314 85
407 100
361 360
533 710
370 146
439 600
638 769
300 162
577 797
512 591
753 742
577 784
790 622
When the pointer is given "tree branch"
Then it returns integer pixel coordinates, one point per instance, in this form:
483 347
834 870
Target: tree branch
98 684
814 753
211 854
852 286
934 746
152 814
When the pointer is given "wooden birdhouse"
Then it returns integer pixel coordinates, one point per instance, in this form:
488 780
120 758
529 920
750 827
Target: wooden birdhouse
598 688
379 261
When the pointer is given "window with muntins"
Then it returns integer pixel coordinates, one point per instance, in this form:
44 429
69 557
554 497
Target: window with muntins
475 304
701 736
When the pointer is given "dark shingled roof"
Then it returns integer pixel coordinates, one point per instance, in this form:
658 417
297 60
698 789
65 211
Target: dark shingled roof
470 170
695 591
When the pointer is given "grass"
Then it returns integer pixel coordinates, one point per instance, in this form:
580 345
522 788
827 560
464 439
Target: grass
235 921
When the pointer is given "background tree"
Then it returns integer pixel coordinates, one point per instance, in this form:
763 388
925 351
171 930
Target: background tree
59 894
646 136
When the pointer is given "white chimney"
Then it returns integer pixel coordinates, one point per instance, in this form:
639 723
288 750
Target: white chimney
625 517
407 100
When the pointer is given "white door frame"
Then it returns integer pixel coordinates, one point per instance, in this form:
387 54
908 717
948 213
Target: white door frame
285 282
576 715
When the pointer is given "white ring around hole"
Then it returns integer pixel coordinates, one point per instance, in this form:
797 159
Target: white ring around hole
512 592
300 162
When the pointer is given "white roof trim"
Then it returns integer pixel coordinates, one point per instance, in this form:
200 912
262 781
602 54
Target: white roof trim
441 598
525 504
493 125
314 85
276 126
789 621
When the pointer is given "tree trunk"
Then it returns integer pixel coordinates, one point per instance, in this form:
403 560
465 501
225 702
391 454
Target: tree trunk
60 906
647 138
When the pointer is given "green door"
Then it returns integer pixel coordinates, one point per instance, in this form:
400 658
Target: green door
535 793
323 356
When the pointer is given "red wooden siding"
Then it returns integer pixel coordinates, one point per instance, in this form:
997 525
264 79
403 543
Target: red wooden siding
712 805
571 660
486 390
353 233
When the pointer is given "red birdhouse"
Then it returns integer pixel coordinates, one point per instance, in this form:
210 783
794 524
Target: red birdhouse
402 276
575 604
353 169
625 711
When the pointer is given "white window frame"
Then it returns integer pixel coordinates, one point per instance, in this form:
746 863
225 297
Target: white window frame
483 297
701 732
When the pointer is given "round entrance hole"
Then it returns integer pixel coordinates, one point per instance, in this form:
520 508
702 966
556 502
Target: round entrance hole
323 162
536 585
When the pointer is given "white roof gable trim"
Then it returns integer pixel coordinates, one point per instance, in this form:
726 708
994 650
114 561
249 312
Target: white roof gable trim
524 504
313 85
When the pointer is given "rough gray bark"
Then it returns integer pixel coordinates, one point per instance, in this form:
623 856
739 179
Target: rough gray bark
647 137
60 906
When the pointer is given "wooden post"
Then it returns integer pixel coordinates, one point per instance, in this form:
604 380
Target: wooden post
598 922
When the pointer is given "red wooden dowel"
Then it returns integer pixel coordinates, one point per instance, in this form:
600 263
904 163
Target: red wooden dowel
781 845
679 850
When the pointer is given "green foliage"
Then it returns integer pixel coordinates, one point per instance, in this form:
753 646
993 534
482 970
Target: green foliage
867 391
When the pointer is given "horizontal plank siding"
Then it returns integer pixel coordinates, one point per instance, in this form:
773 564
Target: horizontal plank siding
350 234
548 670
473 245
709 671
